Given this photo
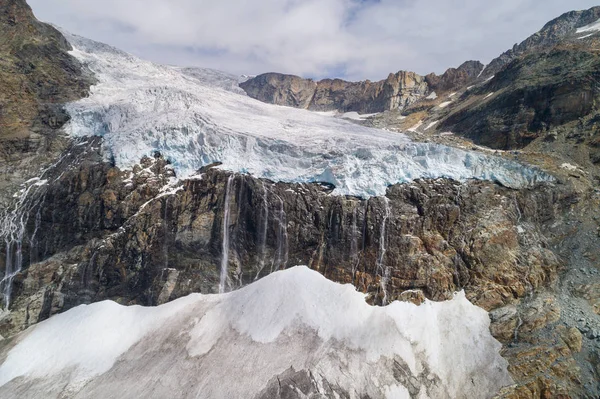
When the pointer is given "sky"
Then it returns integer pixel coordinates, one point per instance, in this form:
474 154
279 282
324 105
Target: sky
350 39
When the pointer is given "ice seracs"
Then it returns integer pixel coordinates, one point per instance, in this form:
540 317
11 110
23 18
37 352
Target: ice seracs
288 322
194 117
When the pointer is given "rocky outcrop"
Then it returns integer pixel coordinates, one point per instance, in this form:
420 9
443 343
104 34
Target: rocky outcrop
528 98
37 75
280 89
396 92
455 78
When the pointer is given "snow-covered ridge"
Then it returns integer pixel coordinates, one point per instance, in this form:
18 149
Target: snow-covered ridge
199 345
195 117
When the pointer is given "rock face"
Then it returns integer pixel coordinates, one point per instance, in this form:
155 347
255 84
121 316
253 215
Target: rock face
455 78
37 75
529 97
275 88
396 92
134 244
549 36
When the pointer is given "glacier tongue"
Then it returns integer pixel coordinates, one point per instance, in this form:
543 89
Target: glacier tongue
235 345
196 117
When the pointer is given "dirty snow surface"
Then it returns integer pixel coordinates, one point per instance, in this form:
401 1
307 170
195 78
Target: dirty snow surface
293 329
196 117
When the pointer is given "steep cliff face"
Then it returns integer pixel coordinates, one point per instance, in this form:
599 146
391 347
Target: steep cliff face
37 75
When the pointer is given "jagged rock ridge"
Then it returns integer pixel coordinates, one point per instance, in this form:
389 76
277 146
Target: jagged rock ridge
396 92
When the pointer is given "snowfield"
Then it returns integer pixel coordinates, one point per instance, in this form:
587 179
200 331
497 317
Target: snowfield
236 345
196 117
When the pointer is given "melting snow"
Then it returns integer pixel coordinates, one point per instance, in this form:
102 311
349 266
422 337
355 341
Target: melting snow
200 344
194 118
445 104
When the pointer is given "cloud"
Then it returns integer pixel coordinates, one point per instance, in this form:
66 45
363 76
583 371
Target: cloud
353 39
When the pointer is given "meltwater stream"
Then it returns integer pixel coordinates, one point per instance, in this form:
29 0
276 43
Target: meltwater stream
382 270
225 248
13 226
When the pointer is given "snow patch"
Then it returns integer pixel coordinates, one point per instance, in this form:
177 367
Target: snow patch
569 167
432 124
432 96
445 104
594 26
586 36
293 318
415 127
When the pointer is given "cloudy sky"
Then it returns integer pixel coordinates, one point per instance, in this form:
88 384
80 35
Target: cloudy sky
352 39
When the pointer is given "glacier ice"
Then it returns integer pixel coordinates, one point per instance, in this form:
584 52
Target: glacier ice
231 345
197 117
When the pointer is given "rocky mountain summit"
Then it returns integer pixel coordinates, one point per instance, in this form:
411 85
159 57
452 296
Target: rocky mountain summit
397 92
86 221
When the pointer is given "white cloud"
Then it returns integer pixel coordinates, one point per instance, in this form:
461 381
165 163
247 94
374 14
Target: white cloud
355 39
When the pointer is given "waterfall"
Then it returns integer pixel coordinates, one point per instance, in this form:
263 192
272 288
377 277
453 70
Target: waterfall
263 236
33 241
382 270
354 243
225 256
518 209
166 232
282 238
13 225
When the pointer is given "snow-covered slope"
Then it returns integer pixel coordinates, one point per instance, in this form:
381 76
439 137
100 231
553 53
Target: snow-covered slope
195 118
237 345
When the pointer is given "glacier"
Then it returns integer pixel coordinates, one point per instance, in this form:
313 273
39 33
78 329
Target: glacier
195 117
236 344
